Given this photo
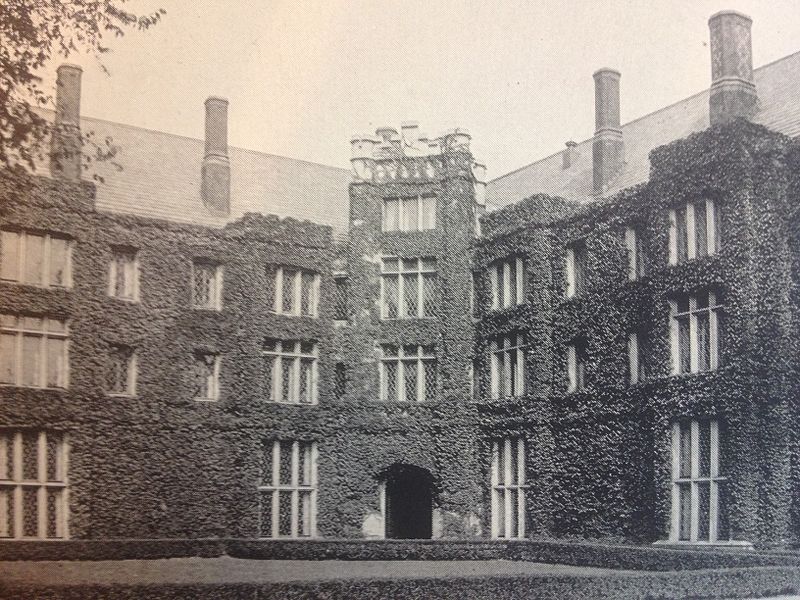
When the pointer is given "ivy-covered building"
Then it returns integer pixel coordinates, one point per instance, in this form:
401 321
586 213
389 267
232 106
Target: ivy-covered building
602 344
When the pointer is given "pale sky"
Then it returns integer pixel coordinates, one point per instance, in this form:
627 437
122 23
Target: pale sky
302 77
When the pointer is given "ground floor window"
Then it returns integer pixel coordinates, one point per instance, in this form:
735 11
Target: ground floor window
508 488
33 485
288 489
699 500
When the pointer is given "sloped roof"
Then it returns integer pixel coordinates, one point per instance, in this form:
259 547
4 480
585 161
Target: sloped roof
778 88
160 178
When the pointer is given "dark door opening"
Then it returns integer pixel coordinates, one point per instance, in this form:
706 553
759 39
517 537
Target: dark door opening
409 503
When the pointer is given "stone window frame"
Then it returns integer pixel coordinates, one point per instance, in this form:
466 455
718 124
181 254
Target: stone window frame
18 328
117 372
576 267
425 268
211 362
576 365
638 357
422 206
123 273
686 477
296 278
17 273
302 489
507 279
636 252
508 487
48 489
279 355
212 272
423 359
507 366
686 318
687 241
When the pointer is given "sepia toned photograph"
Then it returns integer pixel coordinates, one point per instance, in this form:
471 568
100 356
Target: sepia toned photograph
383 300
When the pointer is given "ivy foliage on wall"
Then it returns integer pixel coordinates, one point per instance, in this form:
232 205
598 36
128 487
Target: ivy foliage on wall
601 455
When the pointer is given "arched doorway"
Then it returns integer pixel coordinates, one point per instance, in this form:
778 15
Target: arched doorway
408 505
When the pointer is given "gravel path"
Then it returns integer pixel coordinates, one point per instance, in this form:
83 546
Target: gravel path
233 570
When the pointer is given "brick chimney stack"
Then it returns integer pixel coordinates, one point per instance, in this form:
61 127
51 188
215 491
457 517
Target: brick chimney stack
608 149
568 154
733 92
65 148
216 172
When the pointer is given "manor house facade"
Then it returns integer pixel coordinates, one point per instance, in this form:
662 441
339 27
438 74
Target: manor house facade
215 342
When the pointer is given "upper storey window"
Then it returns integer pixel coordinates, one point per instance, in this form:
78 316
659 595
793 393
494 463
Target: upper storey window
695 332
576 268
123 274
508 283
694 231
637 259
408 287
296 292
412 213
33 351
206 285
41 259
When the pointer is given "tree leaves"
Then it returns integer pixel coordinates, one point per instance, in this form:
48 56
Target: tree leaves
31 35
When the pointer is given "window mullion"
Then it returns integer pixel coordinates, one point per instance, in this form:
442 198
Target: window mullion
401 379
401 296
421 396
46 261
42 359
276 480
506 284
507 475
297 293
711 228
495 481
18 523
694 350
521 468
295 516
691 232
676 475
695 474
41 492
673 237
713 471
420 290
279 290
494 278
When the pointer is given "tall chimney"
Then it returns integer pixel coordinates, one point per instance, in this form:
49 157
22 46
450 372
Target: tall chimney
568 154
733 92
608 148
216 173
65 148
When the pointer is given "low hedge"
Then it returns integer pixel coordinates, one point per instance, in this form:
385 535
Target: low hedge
126 549
367 549
615 556
728 583
640 558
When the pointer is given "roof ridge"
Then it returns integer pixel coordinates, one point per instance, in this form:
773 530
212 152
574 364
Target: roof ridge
650 114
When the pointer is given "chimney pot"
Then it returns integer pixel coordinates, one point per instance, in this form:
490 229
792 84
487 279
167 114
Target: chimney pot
216 171
608 148
65 149
569 154
733 91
